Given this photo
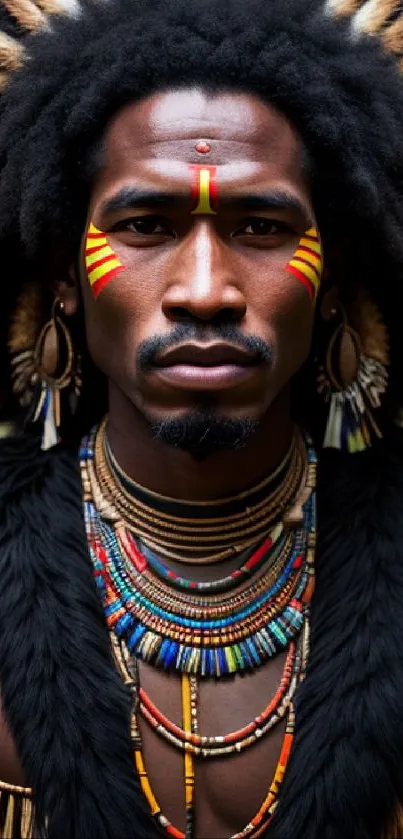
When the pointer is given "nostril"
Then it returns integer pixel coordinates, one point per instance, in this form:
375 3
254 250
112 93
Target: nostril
180 314
228 315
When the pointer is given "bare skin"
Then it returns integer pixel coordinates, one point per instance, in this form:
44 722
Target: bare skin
228 792
197 268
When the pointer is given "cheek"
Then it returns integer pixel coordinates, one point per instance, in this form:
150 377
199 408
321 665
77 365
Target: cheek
102 263
281 310
293 325
119 317
306 264
275 292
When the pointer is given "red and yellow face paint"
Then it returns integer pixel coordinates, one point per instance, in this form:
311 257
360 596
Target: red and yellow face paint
101 261
204 190
307 263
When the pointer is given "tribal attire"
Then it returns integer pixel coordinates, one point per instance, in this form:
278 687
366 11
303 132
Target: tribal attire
70 635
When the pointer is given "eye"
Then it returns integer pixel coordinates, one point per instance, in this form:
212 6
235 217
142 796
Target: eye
262 227
145 226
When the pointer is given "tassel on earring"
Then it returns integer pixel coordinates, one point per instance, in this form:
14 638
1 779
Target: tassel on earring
354 377
44 366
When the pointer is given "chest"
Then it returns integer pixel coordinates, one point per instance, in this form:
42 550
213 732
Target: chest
229 791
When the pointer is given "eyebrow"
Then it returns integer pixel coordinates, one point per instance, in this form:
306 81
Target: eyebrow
130 198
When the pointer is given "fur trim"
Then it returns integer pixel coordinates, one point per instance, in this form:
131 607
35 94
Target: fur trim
345 778
63 699
69 712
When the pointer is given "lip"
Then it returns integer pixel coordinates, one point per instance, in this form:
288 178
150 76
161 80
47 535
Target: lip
198 377
217 366
207 355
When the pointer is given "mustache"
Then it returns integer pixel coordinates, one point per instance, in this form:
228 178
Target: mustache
149 349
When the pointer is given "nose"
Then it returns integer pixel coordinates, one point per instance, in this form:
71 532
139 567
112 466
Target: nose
202 283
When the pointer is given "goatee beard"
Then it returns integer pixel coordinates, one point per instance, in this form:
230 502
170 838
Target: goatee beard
202 434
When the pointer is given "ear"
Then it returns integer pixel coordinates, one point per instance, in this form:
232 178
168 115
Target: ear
330 303
67 292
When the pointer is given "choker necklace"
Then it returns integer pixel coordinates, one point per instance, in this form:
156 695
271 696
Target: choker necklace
209 531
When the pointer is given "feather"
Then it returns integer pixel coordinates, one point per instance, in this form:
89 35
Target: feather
374 14
27 319
392 36
366 319
50 7
11 53
340 8
4 79
26 13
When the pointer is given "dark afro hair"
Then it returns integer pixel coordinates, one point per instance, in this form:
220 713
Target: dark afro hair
343 93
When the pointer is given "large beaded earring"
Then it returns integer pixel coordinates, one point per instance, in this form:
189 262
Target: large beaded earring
45 366
354 377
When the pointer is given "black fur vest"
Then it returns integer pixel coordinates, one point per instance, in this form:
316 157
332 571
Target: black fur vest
69 712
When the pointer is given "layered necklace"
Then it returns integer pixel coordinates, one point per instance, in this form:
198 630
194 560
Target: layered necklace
208 629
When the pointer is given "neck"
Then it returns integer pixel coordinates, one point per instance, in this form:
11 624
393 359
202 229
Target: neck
177 474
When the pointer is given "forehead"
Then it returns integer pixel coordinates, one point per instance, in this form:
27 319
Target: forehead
152 141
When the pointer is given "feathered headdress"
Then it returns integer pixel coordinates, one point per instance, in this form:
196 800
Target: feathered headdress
374 17
28 16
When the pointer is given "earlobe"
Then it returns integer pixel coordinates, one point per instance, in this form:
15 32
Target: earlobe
67 292
329 304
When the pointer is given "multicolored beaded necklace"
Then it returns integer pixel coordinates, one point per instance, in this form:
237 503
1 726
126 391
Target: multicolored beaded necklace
236 741
202 630
278 708
164 631
252 562
239 522
201 605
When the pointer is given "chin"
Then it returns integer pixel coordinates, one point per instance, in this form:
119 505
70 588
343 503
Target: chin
202 432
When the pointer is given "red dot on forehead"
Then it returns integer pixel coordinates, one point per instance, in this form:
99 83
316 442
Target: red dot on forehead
203 147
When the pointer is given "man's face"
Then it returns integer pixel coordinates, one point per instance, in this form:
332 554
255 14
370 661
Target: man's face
200 201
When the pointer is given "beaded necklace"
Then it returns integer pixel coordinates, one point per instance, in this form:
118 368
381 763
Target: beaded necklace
212 646
251 564
207 648
261 821
218 605
236 741
202 630
242 521
165 632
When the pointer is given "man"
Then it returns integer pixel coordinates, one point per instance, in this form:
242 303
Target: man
201 237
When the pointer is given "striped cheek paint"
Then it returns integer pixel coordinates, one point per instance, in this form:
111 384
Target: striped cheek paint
307 262
204 190
101 261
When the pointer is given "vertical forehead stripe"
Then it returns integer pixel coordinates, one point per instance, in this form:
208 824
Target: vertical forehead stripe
204 189
101 261
307 262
